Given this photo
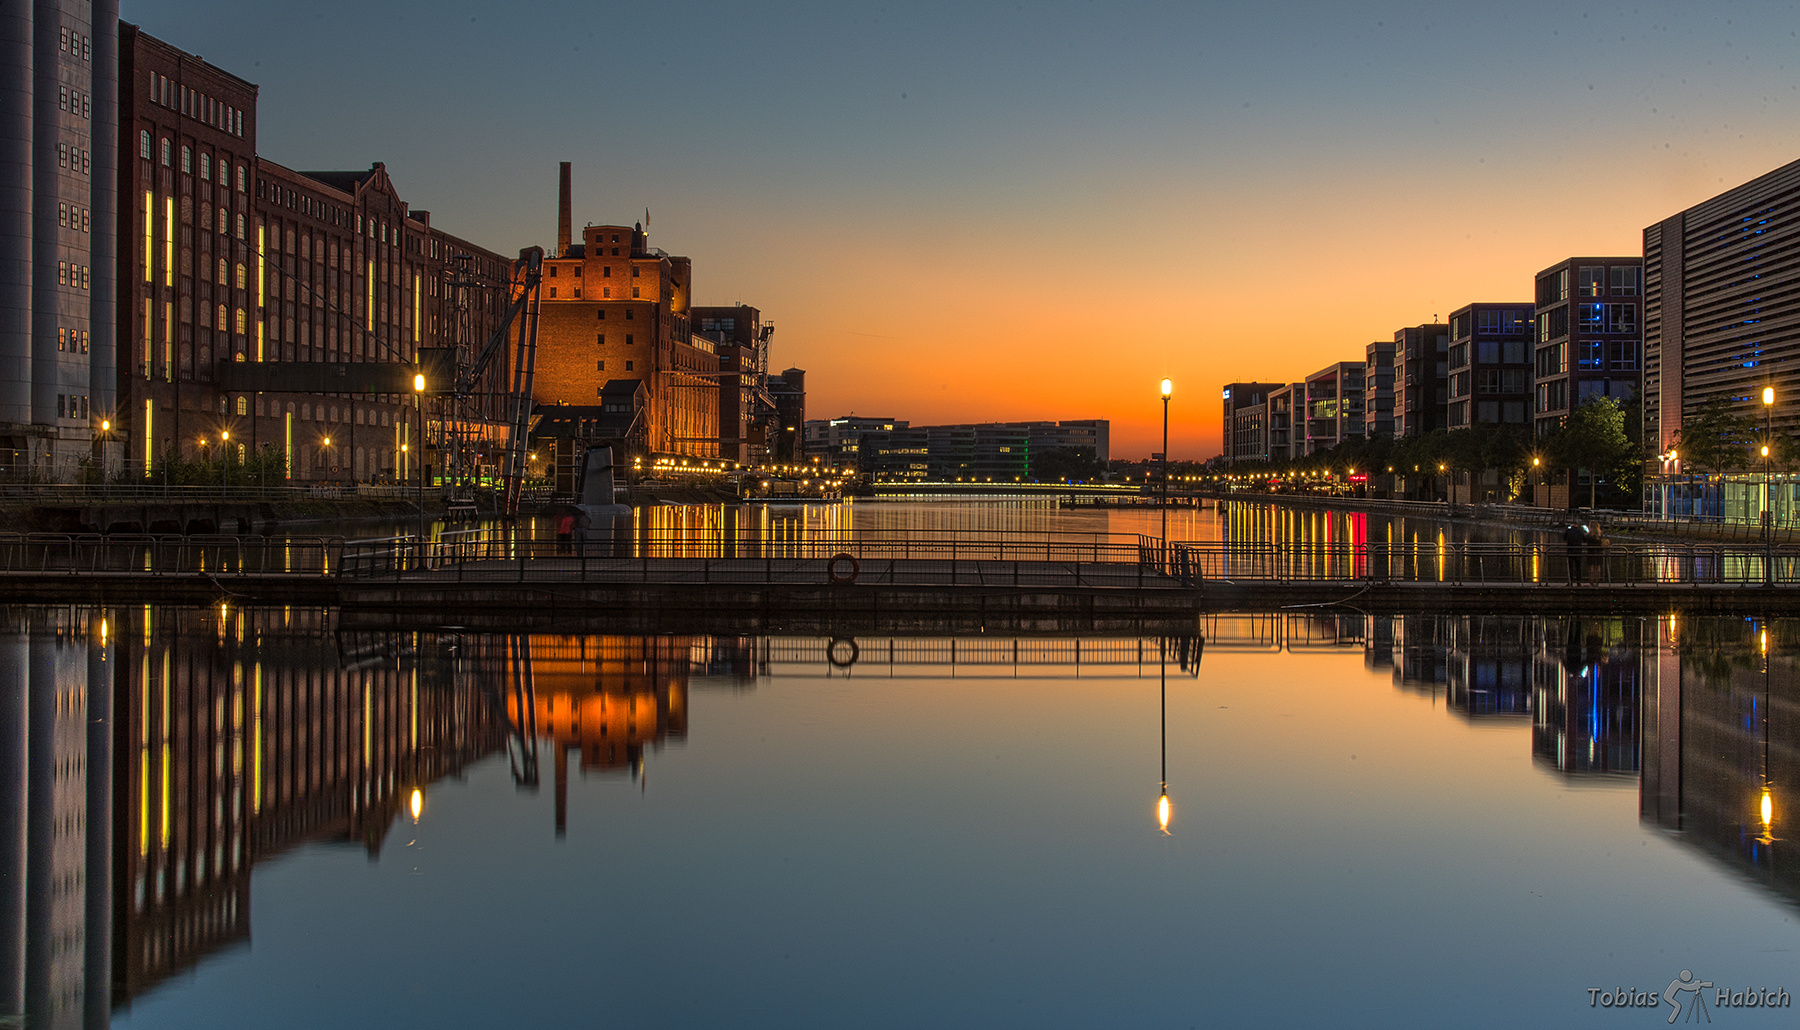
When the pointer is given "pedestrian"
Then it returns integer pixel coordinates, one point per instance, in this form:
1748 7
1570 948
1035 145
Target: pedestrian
581 533
1596 553
565 532
1575 539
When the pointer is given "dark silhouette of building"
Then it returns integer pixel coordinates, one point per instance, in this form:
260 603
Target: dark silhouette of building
1421 378
1246 428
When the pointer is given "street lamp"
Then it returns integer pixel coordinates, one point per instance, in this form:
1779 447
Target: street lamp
1768 518
1168 389
419 410
224 453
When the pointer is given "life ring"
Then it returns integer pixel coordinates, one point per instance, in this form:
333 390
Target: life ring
835 571
831 653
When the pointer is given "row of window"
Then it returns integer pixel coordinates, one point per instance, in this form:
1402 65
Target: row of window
69 405
1491 352
1606 318
605 272
630 313
194 104
605 294
71 216
72 341
68 273
74 44
630 340
1591 281
166 155
74 101
75 159
601 366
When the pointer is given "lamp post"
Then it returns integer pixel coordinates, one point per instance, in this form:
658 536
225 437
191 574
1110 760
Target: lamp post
1768 518
419 409
224 453
1168 388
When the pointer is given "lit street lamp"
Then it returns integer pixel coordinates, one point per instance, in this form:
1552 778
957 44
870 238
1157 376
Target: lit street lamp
1768 518
1168 388
419 409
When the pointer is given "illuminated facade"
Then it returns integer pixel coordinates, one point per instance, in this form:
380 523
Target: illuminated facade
233 258
1246 430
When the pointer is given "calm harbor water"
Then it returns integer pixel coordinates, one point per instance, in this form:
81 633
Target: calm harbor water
1423 820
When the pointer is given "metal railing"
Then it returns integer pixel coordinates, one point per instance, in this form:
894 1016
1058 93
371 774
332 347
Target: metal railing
118 554
1478 563
1021 560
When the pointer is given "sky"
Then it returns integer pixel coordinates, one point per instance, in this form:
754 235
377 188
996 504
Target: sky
982 211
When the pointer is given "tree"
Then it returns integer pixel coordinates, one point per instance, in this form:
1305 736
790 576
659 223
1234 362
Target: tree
1593 438
1715 439
1073 463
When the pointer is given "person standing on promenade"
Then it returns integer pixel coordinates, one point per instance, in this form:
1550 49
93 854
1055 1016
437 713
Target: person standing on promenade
1596 552
1575 538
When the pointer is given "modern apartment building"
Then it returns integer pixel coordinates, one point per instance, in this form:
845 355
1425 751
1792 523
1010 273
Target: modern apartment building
1378 390
1489 362
1334 406
1587 335
1421 378
1246 429
1287 421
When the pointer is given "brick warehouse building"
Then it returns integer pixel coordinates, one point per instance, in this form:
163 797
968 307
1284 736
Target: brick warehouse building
617 309
229 257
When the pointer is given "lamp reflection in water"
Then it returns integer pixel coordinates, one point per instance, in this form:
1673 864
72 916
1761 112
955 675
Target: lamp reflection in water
1766 806
1163 808
417 804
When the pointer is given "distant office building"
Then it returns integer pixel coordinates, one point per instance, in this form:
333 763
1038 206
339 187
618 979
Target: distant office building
1421 378
1287 421
981 451
59 135
1246 428
787 392
1334 406
1490 366
1588 336
837 442
1378 390
1719 315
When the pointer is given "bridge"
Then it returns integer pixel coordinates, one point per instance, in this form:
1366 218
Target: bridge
918 581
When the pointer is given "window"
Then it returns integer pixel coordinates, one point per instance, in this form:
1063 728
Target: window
577 293
606 271
1621 318
1487 411
1622 355
243 405
630 314
243 183
144 144
1515 380
1591 318
240 225
628 364
600 366
1550 360
1513 411
187 161
605 294
1488 381
1515 352
1590 281
552 271
634 293
240 275
629 342
601 315
1488 351
1625 280
1587 355
165 152
552 293
636 271
206 166
1459 355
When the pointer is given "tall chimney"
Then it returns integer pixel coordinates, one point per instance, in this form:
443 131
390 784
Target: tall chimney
564 217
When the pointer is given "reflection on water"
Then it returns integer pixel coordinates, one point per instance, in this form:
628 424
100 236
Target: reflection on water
132 843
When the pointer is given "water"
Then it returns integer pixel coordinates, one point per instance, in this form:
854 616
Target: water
1415 821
